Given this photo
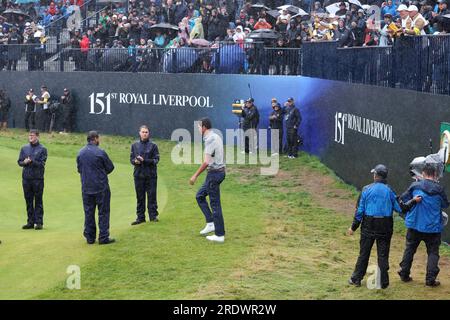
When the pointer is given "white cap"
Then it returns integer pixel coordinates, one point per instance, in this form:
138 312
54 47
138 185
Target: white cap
27 24
124 18
402 7
413 8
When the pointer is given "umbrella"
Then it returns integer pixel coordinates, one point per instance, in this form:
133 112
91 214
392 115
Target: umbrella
355 2
274 13
111 1
297 11
333 8
26 1
200 42
231 59
284 7
259 6
165 26
179 60
12 15
263 34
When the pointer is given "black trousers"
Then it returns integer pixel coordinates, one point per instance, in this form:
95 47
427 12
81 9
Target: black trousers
90 202
432 242
292 146
33 191
383 246
146 187
30 117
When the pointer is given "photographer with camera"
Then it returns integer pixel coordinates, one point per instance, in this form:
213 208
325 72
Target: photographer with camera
30 110
250 114
68 109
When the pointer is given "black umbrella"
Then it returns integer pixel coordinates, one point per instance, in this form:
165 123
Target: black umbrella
274 13
297 11
12 15
164 26
263 34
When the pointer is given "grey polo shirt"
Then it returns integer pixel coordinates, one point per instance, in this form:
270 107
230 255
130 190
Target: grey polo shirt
214 147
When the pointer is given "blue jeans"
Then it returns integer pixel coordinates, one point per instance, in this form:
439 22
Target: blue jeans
211 188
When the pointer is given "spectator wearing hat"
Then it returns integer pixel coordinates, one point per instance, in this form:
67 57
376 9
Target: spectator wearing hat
404 16
375 207
418 22
250 114
292 118
342 9
425 223
276 123
386 33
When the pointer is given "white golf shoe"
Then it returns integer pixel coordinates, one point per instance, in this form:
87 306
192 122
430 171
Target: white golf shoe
208 228
215 238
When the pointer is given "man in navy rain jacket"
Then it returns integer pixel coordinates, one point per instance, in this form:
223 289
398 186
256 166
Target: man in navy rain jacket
94 166
144 156
32 158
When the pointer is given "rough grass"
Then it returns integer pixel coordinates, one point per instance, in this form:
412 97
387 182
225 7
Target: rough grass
285 235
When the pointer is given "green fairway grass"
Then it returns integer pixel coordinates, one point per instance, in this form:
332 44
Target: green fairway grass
285 234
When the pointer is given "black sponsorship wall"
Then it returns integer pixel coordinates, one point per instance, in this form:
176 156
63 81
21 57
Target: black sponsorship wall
350 127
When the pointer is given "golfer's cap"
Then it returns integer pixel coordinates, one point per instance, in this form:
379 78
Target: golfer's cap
402 7
290 99
413 8
250 100
380 170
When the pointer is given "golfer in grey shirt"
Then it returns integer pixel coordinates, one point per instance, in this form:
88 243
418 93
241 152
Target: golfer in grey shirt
215 165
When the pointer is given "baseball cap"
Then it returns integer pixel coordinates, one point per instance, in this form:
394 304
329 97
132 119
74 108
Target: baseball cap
402 7
290 99
250 100
413 8
380 170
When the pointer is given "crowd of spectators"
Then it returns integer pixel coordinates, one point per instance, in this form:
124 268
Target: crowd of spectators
205 23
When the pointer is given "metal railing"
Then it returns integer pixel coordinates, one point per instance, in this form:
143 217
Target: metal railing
414 63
